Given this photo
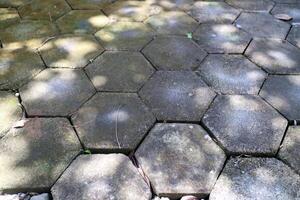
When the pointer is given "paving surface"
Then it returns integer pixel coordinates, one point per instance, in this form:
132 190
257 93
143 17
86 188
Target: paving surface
128 99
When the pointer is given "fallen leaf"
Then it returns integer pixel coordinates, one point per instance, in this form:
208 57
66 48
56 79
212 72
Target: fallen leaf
20 124
283 17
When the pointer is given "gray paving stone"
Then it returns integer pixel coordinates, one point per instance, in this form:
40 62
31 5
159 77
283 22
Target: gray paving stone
43 196
18 67
34 156
292 10
56 92
113 122
290 149
213 12
11 111
221 38
177 96
27 34
283 93
180 159
72 51
245 124
262 25
275 56
232 74
44 10
173 22
119 71
256 178
125 36
13 3
82 21
285 1
131 10
89 4
114 177
167 5
8 16
294 36
174 53
252 5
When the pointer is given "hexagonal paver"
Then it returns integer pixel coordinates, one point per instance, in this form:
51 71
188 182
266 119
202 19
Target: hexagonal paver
131 10
8 16
294 36
89 4
94 177
275 56
10 113
174 53
17 67
263 25
221 38
207 12
285 1
73 51
125 36
44 10
34 156
283 92
27 34
179 96
180 159
119 71
232 74
174 22
256 178
252 5
56 92
290 149
13 3
245 124
82 21
168 5
293 10
113 122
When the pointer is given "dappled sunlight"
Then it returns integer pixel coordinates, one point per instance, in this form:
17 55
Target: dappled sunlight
217 12
47 93
8 16
112 121
18 66
27 34
131 10
35 155
82 21
221 38
185 160
72 51
11 111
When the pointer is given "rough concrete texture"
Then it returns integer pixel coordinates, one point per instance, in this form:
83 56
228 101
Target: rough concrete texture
11 111
245 124
232 74
180 159
113 122
290 148
256 178
174 53
177 96
119 71
221 38
48 92
283 93
71 51
275 56
114 177
34 156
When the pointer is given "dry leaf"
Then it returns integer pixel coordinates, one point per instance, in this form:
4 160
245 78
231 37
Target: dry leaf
283 17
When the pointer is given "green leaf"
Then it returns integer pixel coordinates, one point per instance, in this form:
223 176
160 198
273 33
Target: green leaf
87 151
189 35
